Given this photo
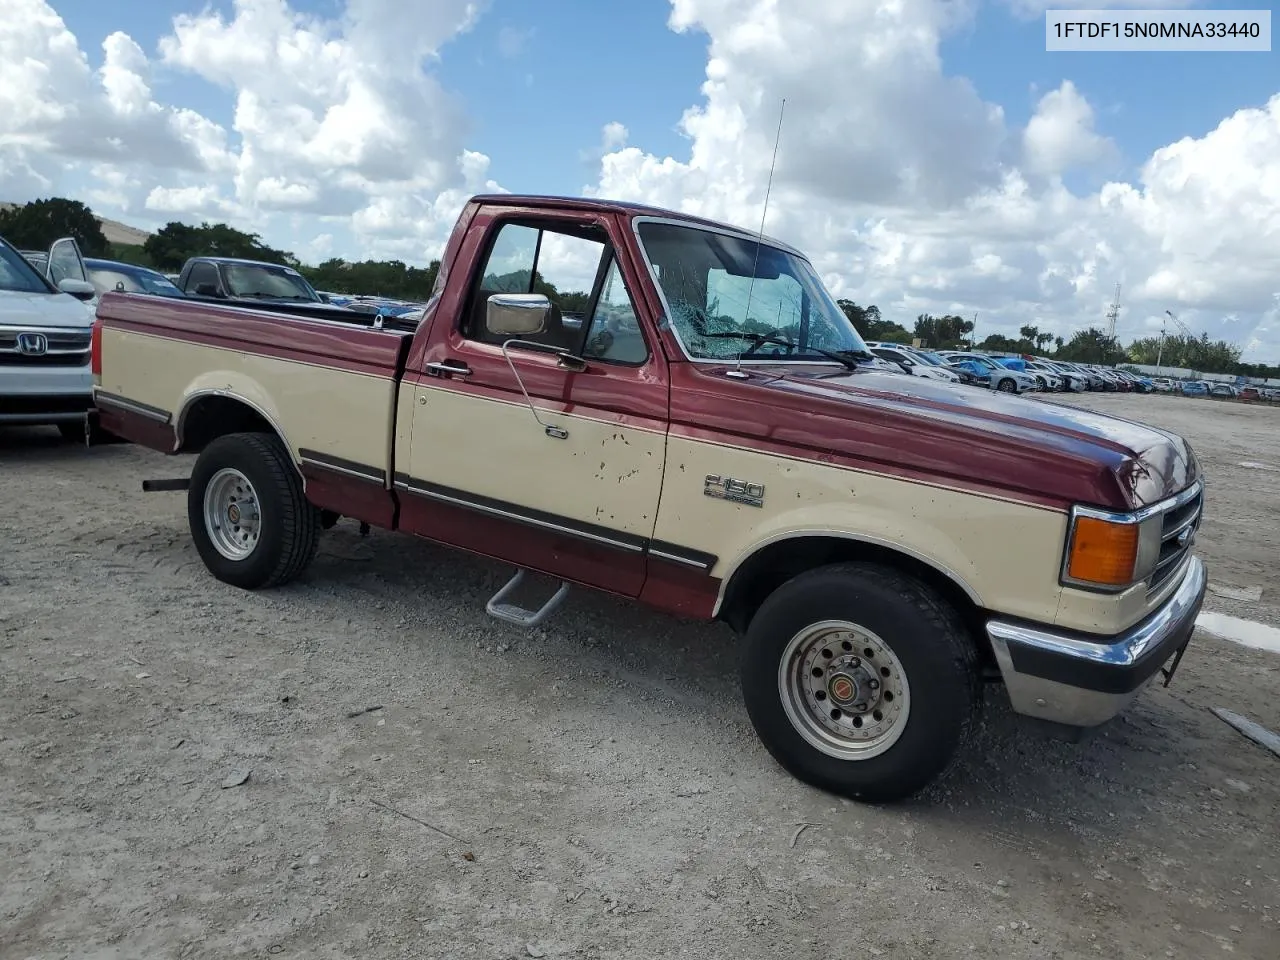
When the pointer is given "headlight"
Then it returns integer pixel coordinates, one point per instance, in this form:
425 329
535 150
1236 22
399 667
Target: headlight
1110 551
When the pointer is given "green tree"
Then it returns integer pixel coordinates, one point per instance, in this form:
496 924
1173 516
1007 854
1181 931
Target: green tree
999 343
942 333
871 325
1092 346
35 225
174 243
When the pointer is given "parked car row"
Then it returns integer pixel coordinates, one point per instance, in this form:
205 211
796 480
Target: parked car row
1214 388
1008 374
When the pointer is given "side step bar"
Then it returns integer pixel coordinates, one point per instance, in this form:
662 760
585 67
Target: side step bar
513 613
162 486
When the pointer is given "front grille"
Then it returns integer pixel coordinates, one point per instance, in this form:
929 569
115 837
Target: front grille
44 360
62 348
1174 549
62 340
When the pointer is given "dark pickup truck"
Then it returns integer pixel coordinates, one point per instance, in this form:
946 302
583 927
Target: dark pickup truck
708 439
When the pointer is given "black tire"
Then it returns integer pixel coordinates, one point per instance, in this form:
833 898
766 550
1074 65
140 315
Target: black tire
73 432
1007 386
289 525
936 654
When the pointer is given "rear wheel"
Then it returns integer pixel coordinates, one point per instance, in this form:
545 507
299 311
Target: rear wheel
861 681
250 519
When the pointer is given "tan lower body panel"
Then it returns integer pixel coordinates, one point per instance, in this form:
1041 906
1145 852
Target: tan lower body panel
334 412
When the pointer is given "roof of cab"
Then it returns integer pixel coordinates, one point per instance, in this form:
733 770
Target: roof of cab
603 205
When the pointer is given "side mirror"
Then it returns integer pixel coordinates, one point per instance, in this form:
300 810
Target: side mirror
80 289
206 290
324 297
516 314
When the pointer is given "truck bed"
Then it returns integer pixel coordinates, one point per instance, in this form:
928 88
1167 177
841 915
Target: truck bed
324 378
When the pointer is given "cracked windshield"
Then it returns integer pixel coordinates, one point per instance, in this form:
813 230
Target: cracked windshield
719 311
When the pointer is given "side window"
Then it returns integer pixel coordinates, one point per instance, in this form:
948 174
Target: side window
556 263
614 332
202 273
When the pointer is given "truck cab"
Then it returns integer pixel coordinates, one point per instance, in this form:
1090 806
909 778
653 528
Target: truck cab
232 278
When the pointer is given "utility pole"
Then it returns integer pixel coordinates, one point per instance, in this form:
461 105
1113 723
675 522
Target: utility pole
973 334
1160 351
1112 315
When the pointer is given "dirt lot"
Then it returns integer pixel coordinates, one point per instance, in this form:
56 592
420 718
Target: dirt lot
592 789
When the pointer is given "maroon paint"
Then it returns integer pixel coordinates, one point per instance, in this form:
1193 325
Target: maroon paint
359 499
136 428
680 590
557 555
328 344
1027 450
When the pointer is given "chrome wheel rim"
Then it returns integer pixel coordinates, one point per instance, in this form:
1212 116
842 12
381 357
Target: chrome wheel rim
232 517
844 690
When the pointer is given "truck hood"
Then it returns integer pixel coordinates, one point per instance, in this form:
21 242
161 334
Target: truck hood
986 438
18 309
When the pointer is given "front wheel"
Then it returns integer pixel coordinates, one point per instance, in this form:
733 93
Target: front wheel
250 519
1007 386
861 681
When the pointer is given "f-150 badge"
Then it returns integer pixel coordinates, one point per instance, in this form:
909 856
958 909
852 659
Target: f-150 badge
738 491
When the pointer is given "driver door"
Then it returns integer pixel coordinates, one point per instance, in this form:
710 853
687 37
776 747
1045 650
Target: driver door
519 454
65 262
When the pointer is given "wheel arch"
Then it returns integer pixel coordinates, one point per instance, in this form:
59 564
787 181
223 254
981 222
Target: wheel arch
210 413
776 561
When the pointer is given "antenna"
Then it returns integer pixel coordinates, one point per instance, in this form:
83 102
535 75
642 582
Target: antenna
760 239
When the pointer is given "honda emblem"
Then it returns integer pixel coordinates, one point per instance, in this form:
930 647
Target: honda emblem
33 344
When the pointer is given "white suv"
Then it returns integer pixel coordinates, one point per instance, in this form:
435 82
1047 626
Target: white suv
905 358
46 322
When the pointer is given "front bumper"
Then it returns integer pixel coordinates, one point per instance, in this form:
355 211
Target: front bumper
41 394
1081 681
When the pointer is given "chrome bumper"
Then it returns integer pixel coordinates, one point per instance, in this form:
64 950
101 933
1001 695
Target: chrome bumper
1082 681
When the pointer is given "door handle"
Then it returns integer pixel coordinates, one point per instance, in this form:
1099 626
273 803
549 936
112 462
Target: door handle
443 368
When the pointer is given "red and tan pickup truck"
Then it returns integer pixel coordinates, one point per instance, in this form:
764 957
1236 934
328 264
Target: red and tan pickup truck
695 427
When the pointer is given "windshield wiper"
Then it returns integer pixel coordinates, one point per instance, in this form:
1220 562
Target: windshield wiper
849 358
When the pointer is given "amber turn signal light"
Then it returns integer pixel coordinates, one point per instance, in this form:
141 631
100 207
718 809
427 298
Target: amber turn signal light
1103 552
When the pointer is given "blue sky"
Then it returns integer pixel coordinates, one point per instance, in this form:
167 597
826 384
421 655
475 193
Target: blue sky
539 82
1157 171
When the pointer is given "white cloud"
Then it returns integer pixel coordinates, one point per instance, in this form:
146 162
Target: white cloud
325 121
614 136
907 187
1060 134
910 192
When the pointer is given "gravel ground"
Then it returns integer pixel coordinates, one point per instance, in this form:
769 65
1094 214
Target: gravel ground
591 789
